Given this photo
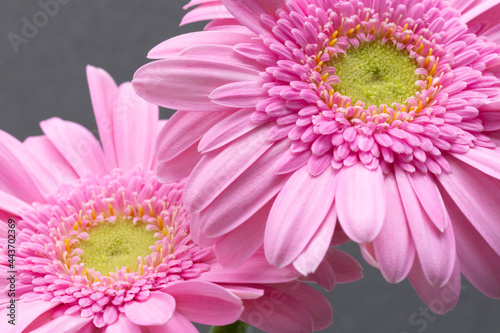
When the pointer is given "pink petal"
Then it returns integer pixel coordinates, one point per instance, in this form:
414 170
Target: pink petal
220 53
393 246
248 12
438 299
156 310
205 12
178 323
184 129
249 192
44 151
179 167
479 263
477 195
248 238
312 256
14 205
78 146
300 208
16 178
64 324
173 46
477 9
278 312
217 169
483 159
254 270
361 202
347 269
122 325
427 192
205 302
460 5
239 94
30 310
317 305
244 292
135 123
324 276
227 130
435 249
103 92
185 84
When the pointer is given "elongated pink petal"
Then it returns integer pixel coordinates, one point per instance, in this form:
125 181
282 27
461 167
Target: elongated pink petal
479 263
185 84
30 311
12 204
312 256
122 325
477 8
221 53
205 302
178 167
477 195
249 192
239 94
217 169
248 12
324 275
361 202
78 146
435 249
205 12
248 238
393 246
15 179
173 46
278 312
227 130
460 5
483 159
46 153
244 292
427 192
103 92
300 208
347 269
178 323
156 310
318 306
438 299
64 324
184 129
246 272
135 123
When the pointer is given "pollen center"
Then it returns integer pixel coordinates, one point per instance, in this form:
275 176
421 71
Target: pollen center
111 246
376 74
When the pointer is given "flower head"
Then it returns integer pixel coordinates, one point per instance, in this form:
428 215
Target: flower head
101 244
381 113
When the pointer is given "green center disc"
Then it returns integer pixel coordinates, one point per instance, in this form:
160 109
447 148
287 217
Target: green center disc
116 245
376 74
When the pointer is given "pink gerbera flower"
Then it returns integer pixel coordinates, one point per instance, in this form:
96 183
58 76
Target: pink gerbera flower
383 114
101 244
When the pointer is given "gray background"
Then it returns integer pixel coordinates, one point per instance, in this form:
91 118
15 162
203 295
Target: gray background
47 78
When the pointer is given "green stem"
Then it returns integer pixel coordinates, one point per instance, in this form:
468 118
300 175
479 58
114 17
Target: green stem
237 327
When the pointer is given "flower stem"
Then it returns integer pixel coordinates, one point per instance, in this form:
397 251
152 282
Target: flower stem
237 327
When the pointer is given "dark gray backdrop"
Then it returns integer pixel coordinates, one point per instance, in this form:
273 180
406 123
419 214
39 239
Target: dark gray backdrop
46 78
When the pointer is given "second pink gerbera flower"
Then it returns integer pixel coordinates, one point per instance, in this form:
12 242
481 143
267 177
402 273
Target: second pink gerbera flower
383 114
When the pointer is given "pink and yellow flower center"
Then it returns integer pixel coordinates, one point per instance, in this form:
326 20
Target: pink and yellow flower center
107 241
